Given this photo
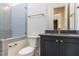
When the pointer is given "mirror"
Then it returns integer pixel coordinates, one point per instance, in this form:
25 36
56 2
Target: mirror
64 17
59 18
12 20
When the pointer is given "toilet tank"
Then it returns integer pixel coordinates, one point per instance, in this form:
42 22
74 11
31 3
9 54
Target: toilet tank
33 40
15 47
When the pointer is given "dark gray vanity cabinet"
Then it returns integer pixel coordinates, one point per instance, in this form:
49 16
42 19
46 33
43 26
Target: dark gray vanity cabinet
59 46
70 46
49 46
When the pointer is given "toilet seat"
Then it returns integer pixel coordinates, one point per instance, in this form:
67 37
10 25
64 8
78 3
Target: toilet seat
26 50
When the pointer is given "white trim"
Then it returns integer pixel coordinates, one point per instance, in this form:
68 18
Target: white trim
13 38
33 37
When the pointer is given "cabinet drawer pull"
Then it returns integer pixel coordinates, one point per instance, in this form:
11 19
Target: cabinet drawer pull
61 41
56 40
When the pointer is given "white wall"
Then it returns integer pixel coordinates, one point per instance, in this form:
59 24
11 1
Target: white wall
37 24
71 15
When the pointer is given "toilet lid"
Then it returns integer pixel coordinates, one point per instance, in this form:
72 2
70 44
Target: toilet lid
26 50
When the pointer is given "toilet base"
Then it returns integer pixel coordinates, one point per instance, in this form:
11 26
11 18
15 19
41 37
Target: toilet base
30 54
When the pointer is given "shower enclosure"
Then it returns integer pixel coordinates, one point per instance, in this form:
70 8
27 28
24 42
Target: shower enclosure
13 20
5 21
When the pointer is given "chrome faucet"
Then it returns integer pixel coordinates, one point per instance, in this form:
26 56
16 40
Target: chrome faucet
59 30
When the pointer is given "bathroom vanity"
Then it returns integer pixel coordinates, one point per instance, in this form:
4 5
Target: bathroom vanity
63 44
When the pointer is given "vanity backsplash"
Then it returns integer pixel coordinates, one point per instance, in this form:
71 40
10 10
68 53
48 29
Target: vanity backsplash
63 31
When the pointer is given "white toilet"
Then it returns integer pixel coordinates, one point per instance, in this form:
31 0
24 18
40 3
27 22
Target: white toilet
27 51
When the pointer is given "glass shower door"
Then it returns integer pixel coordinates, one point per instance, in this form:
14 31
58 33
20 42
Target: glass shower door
5 20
